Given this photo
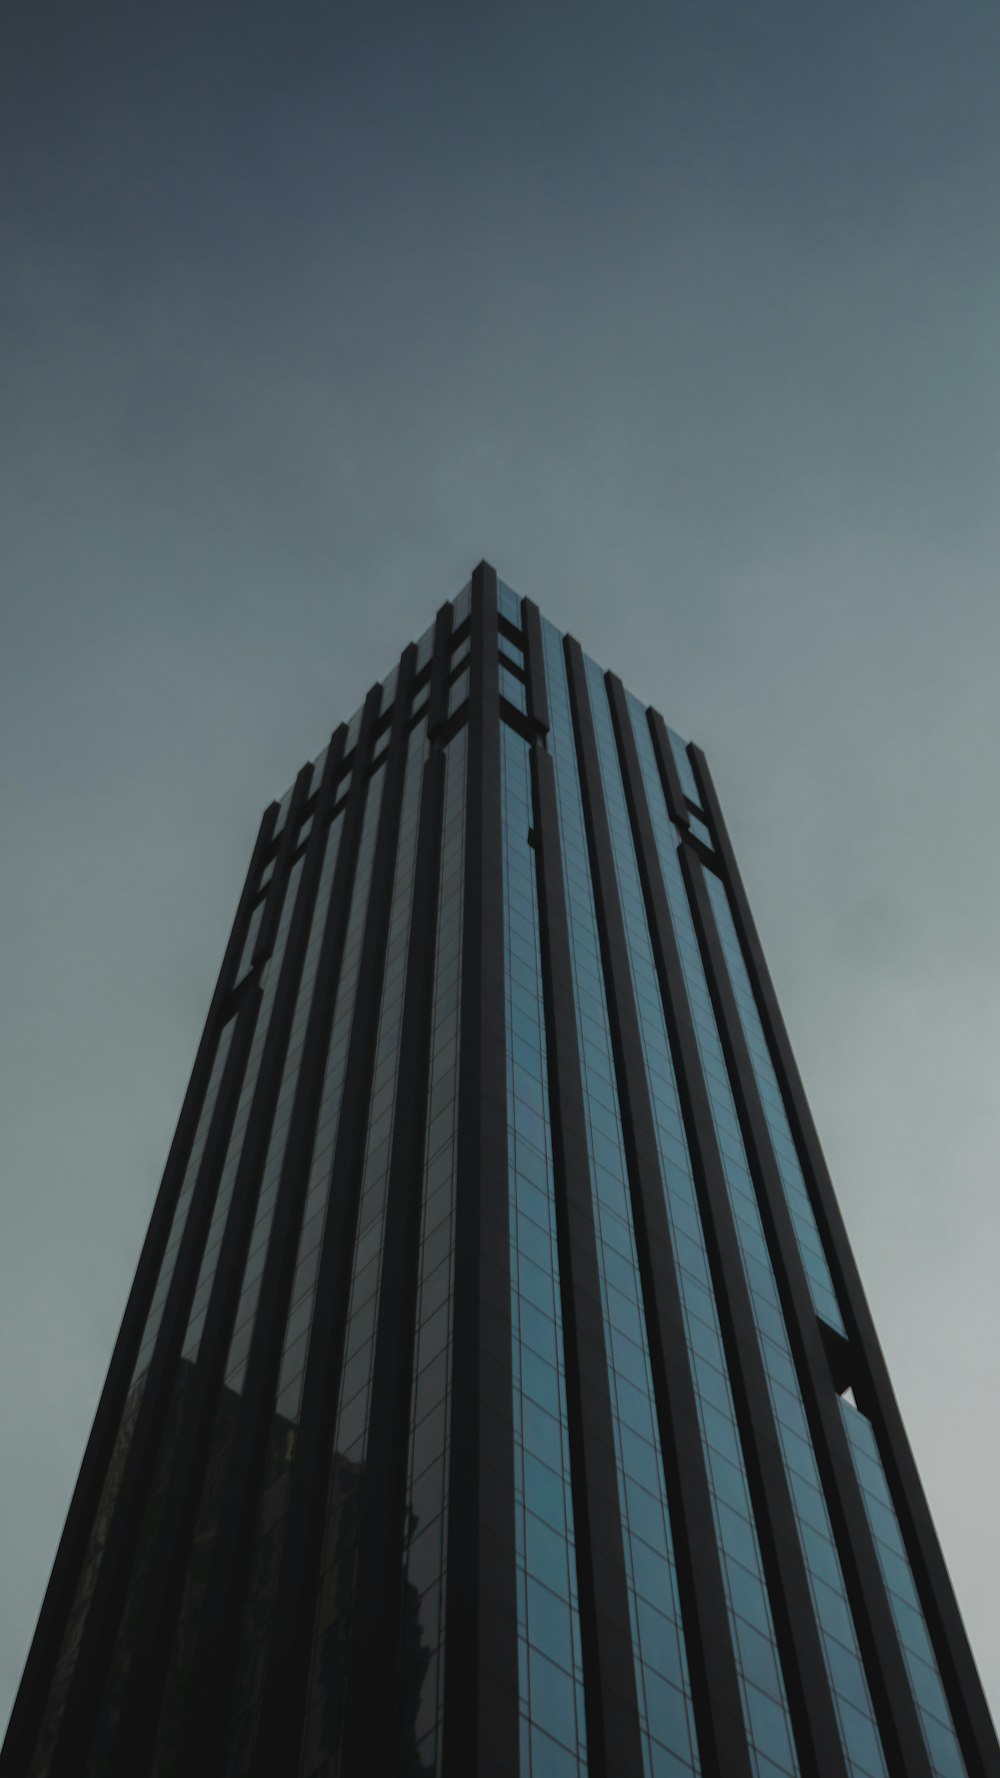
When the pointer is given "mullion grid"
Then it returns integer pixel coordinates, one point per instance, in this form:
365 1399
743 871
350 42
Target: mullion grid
508 605
255 1625
765 1705
65 1661
553 1722
514 690
269 983
184 1643
425 648
421 1676
928 1694
859 1731
666 1716
181 1208
319 1176
921 1663
296 1337
331 1629
253 1271
810 1243
685 769
153 1509
73 1633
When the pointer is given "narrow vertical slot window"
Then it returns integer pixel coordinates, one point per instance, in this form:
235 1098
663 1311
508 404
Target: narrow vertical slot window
420 1679
765 1705
553 1722
663 1686
859 1733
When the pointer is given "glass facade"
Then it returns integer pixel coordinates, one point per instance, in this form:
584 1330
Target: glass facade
553 1717
267 1517
421 1657
661 1673
861 1749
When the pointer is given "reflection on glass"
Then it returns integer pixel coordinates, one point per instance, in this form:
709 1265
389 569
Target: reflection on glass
661 1674
420 1679
553 1720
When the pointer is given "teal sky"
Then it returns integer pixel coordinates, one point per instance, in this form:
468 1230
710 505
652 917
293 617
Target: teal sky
687 317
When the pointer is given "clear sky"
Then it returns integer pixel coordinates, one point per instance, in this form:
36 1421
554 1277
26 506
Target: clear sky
686 315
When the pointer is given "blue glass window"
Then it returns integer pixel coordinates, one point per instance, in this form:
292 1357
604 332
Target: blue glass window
513 689
829 1598
658 1641
269 1536
928 1692
684 767
332 1623
421 1676
552 1708
766 1715
508 604
796 1193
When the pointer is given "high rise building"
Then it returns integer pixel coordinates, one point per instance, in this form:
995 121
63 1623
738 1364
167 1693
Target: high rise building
497 1395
